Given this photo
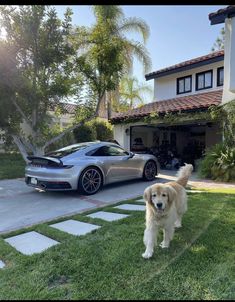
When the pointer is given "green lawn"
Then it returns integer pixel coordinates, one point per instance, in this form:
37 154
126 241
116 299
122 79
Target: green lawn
107 263
12 165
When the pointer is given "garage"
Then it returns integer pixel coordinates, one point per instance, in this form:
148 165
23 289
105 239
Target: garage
183 143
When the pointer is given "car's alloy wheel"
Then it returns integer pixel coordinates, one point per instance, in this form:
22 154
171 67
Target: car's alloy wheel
90 181
150 170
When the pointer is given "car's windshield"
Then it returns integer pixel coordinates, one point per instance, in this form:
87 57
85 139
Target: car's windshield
67 150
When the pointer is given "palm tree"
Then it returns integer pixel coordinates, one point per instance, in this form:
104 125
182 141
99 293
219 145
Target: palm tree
111 17
132 93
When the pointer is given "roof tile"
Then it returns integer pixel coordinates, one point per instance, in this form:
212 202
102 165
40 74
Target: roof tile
185 103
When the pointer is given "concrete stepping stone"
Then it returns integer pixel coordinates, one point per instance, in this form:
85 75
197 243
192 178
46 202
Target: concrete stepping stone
31 242
107 216
131 207
75 227
2 264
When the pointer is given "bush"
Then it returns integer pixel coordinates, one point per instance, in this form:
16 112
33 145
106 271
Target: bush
219 163
104 131
94 130
85 133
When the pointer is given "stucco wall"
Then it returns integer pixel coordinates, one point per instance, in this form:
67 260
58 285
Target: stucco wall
229 61
166 87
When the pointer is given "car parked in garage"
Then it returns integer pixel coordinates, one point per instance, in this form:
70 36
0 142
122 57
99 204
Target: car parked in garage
86 167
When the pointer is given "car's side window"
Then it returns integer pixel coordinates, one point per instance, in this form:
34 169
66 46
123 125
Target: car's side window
116 151
110 151
102 151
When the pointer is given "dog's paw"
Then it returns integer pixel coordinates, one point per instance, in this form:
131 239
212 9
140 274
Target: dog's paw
164 245
147 255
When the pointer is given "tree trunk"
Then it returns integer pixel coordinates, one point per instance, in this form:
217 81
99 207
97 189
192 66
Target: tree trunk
21 147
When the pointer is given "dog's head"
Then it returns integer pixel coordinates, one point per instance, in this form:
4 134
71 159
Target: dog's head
160 197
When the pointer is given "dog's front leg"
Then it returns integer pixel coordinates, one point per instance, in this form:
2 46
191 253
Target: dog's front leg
168 234
150 235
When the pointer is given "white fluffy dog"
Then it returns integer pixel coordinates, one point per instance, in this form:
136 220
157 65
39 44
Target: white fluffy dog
165 206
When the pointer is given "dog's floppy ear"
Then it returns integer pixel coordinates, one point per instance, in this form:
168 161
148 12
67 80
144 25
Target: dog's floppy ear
171 193
147 194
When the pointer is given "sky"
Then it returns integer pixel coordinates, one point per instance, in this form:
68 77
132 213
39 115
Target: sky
177 32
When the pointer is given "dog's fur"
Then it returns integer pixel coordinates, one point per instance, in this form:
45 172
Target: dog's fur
173 198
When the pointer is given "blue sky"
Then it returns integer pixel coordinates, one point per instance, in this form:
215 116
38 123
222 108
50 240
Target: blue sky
177 32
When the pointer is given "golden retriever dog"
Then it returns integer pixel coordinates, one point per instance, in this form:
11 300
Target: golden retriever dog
165 206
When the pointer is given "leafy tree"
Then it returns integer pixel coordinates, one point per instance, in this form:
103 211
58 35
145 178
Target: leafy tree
219 43
37 69
131 93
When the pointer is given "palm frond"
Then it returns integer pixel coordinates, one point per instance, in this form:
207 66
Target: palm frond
141 53
104 12
136 25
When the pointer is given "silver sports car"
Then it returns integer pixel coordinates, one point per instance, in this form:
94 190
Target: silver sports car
86 167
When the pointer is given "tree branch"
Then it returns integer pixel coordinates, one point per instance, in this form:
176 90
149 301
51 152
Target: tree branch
23 115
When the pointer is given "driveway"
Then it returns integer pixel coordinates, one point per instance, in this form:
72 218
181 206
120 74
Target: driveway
22 206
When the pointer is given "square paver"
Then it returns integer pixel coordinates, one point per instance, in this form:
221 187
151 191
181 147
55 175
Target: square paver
75 227
107 216
31 242
2 264
131 207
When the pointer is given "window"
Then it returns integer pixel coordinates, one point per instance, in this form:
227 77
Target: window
184 84
220 76
110 151
204 80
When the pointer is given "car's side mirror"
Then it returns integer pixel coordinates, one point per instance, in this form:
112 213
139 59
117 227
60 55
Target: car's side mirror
131 154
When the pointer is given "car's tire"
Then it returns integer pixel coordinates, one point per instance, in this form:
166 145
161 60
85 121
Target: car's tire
90 181
150 170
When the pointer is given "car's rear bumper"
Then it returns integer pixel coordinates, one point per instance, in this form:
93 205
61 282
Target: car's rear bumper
51 185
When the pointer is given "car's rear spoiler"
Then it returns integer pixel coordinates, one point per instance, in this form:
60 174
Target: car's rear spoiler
45 160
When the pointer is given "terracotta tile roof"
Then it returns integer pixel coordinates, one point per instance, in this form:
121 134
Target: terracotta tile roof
68 107
185 103
210 56
221 14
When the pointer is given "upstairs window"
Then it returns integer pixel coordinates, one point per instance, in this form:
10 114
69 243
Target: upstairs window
204 80
184 84
220 76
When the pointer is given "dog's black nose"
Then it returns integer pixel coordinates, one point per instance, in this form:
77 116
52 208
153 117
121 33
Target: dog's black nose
159 205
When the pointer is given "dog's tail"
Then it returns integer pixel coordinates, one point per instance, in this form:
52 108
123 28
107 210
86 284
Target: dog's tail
183 174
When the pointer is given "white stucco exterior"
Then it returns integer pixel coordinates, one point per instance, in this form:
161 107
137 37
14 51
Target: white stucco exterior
166 87
229 61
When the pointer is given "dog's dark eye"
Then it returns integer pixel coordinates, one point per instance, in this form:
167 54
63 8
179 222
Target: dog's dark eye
154 195
164 195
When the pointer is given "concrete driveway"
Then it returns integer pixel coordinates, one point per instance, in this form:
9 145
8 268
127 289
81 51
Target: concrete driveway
22 206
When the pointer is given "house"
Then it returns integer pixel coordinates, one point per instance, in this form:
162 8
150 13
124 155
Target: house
177 121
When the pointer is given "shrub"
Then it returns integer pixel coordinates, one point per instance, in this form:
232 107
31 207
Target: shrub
219 163
85 133
104 130
94 130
